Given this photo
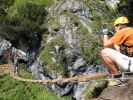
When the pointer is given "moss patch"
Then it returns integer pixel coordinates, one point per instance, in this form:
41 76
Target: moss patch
46 55
90 47
14 90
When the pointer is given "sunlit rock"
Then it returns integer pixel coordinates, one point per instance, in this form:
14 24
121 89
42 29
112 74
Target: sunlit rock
112 3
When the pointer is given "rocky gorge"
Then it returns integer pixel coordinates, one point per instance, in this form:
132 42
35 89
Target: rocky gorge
67 42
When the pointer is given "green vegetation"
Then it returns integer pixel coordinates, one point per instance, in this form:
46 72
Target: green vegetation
101 14
91 46
14 90
46 55
54 22
20 21
11 89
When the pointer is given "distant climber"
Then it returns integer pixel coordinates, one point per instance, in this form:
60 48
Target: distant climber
31 55
118 50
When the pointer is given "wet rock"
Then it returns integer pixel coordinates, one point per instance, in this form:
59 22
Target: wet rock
118 92
67 5
79 88
66 26
78 63
37 71
62 90
4 45
86 90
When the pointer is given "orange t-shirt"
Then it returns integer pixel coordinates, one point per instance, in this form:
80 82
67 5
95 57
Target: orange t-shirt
124 36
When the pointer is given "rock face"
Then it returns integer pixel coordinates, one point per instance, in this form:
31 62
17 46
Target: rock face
71 48
112 3
4 45
118 93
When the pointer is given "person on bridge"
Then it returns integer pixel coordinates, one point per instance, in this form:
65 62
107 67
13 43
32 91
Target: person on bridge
118 50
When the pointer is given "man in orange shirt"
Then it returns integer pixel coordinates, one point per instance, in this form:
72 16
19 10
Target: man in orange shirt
112 54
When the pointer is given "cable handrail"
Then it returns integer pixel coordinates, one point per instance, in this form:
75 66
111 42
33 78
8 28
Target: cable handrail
79 78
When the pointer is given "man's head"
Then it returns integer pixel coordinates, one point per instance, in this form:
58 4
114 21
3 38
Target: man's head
120 23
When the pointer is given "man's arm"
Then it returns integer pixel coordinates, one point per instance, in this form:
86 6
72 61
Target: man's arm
107 42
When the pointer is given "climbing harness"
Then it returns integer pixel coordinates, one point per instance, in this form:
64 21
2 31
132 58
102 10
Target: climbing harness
121 76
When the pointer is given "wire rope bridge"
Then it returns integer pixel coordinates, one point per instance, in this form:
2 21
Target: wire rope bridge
79 78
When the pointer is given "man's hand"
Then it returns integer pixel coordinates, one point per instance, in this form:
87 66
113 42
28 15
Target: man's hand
117 47
105 31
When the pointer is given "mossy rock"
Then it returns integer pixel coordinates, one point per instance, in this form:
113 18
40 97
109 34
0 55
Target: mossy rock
46 55
76 21
54 22
94 89
90 47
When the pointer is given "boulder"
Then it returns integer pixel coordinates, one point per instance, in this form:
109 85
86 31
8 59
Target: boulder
124 92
